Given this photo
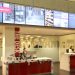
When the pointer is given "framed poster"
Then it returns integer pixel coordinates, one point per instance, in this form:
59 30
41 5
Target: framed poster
35 16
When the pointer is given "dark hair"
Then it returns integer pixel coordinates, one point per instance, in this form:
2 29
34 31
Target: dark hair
71 47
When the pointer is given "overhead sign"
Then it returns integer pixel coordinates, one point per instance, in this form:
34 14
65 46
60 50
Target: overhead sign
5 9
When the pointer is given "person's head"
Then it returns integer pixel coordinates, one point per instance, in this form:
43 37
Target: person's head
71 47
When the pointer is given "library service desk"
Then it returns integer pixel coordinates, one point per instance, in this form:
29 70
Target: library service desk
30 66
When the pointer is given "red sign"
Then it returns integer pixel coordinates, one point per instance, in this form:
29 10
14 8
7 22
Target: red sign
17 41
5 9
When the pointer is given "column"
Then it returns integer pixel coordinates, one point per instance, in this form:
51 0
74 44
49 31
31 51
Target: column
11 45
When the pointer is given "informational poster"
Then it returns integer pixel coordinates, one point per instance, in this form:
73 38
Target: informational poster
35 16
60 19
8 15
0 12
19 14
48 18
71 20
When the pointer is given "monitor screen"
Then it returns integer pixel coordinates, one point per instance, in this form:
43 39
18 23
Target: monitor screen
35 16
0 12
71 20
19 14
60 19
8 14
48 18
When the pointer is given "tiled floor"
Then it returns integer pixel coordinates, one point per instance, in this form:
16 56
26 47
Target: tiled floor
57 71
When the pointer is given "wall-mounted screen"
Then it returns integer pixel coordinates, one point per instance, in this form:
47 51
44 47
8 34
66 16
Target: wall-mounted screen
60 19
35 16
0 12
48 18
71 20
19 14
8 14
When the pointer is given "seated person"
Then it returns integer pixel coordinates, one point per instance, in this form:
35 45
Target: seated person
23 54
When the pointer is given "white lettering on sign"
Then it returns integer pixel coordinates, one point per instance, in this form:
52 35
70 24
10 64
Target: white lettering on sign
17 41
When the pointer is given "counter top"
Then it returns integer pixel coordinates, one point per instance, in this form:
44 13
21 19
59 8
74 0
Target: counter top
29 60
70 53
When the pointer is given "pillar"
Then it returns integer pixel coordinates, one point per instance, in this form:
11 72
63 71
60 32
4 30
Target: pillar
11 45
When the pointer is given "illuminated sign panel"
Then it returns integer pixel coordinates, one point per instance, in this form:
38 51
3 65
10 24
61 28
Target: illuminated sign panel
71 20
8 17
48 18
0 13
19 14
5 10
60 19
34 16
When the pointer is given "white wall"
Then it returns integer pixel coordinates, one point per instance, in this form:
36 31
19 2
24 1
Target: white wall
48 52
51 49
65 42
52 53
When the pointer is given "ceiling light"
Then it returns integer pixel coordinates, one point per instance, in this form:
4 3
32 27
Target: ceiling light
71 0
27 35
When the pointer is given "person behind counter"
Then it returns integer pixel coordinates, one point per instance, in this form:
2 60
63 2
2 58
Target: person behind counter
23 54
70 50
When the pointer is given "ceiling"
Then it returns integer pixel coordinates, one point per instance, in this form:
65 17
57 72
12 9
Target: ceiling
35 30
71 0
46 31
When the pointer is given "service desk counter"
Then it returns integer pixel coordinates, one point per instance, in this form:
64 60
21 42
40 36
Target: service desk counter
67 62
30 67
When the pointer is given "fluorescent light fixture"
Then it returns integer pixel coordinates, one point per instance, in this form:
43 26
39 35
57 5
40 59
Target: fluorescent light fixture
71 0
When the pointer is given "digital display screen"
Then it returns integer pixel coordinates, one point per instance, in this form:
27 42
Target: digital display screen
35 16
57 22
64 23
48 18
71 20
0 12
19 14
8 14
60 19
